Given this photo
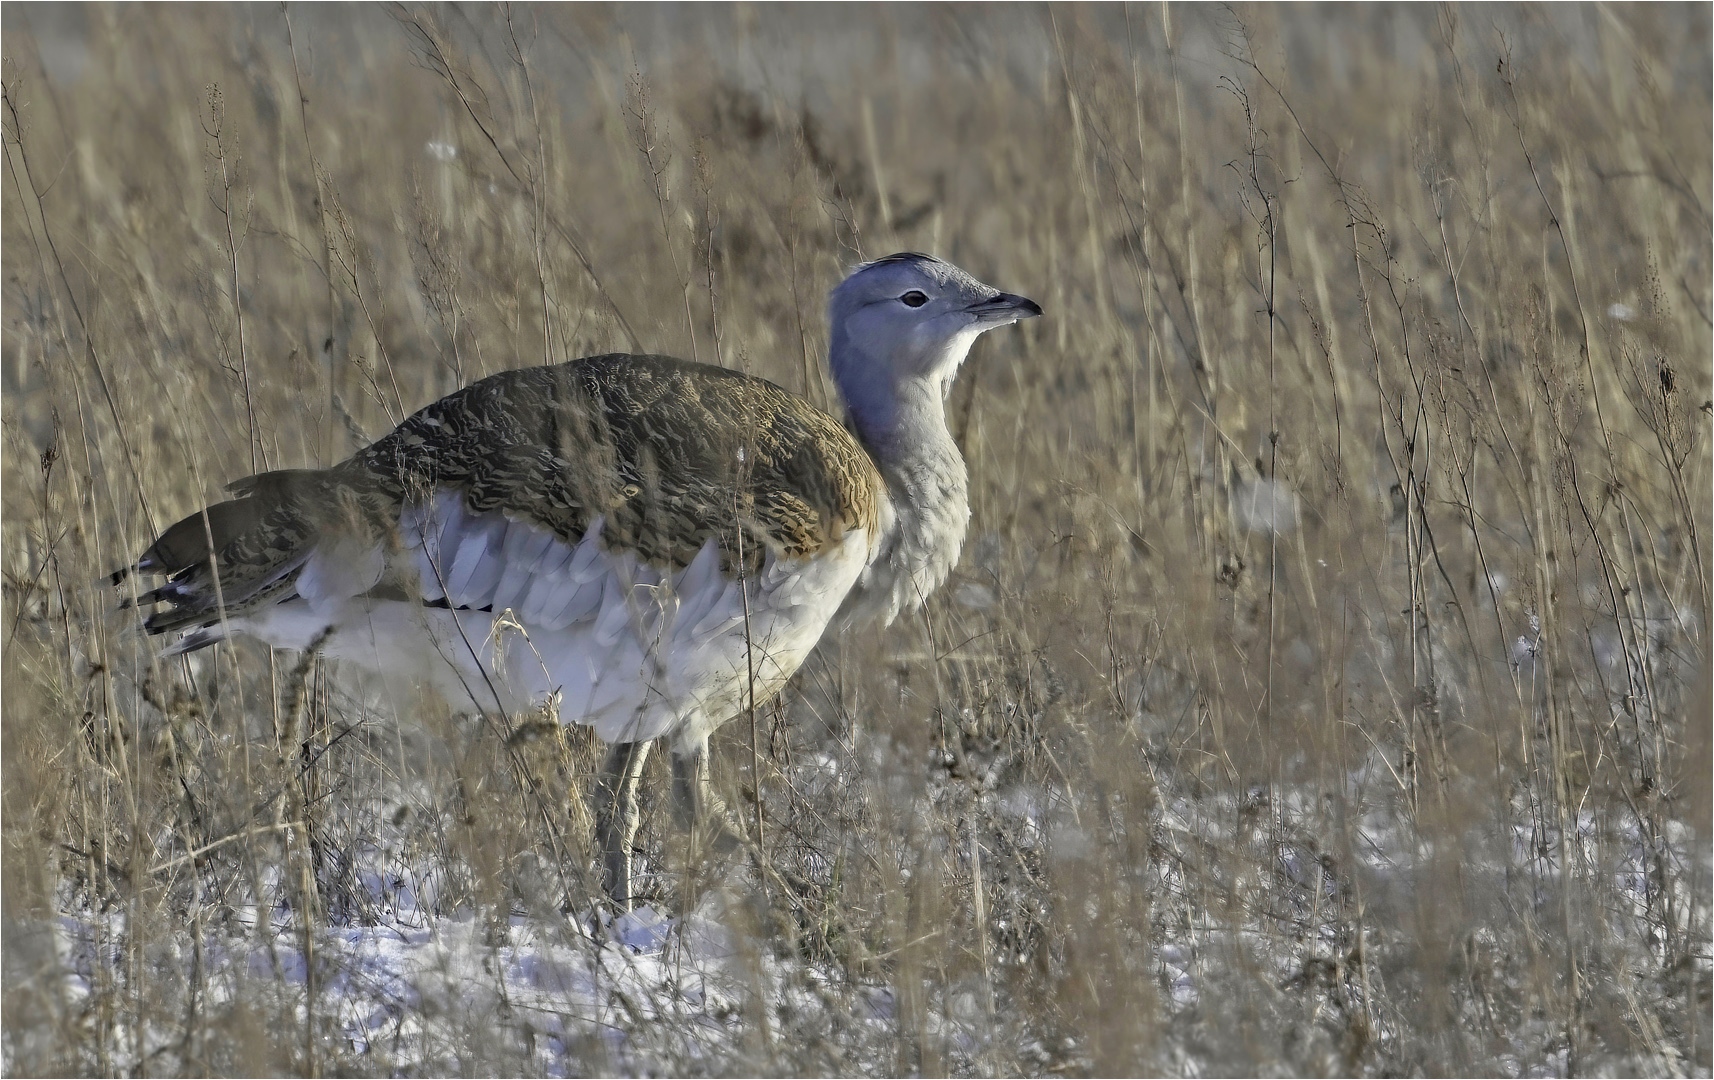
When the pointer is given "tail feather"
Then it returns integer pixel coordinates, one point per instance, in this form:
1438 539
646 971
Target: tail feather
280 485
171 591
194 641
239 554
187 544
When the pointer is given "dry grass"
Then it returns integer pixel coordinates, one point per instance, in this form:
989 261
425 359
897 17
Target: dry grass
1325 685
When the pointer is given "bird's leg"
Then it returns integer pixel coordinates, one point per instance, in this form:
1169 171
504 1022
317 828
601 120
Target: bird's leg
616 816
695 805
697 810
691 789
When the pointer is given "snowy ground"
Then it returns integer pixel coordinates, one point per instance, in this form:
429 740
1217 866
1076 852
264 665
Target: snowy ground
414 992
398 992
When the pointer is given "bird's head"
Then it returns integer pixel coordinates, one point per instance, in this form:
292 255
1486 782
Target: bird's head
909 319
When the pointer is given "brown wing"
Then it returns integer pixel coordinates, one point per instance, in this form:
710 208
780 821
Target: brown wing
671 454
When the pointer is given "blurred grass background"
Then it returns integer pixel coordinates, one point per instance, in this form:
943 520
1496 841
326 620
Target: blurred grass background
1325 686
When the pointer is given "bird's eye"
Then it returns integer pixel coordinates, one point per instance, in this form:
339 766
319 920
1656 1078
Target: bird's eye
914 298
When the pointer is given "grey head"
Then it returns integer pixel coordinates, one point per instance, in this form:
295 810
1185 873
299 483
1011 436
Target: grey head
901 326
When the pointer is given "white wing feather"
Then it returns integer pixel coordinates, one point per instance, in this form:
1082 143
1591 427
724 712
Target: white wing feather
626 649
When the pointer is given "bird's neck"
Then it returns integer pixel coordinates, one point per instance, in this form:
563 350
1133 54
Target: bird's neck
902 424
900 418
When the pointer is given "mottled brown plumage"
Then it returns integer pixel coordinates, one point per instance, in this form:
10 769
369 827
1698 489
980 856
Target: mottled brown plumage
670 453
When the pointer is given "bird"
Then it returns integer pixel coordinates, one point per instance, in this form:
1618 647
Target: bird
650 544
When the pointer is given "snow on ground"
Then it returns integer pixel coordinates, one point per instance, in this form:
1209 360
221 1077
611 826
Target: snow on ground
394 986
405 989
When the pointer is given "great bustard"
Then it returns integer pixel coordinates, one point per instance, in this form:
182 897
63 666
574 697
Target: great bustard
657 543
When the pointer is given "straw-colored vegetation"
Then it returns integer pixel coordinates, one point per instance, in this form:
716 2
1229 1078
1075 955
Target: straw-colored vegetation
1324 687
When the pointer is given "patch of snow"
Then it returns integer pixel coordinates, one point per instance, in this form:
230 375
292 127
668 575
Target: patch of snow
644 930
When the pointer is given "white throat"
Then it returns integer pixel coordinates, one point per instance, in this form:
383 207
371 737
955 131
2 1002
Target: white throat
902 423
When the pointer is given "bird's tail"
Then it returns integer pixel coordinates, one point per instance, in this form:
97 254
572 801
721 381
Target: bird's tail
230 557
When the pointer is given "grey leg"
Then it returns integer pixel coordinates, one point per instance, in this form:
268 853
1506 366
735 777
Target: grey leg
696 808
692 802
691 792
704 818
617 817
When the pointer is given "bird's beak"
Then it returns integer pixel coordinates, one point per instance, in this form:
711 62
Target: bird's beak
1005 308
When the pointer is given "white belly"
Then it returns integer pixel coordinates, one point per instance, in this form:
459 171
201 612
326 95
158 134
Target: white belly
631 653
